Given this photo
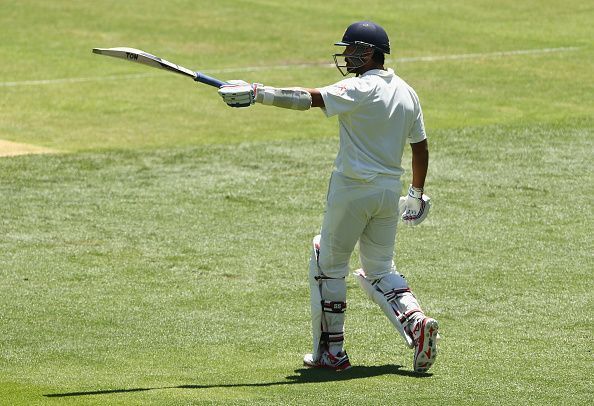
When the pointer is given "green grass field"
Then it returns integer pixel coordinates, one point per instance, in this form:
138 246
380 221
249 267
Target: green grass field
160 256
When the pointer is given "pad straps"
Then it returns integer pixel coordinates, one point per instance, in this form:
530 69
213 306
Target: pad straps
333 307
392 294
403 312
332 337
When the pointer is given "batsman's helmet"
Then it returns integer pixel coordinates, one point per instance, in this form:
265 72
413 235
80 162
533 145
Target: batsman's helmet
366 33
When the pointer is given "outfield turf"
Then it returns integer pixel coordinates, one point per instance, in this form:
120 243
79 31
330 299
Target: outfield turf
160 257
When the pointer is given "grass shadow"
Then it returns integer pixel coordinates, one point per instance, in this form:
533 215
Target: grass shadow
302 376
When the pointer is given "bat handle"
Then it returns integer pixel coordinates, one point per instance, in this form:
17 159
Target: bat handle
202 78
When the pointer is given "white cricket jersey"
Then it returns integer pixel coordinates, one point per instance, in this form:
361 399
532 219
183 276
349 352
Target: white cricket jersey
378 113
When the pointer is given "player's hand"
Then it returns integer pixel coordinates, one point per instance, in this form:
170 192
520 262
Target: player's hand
414 207
238 93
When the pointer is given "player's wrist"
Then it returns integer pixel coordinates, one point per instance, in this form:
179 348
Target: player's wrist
416 192
258 92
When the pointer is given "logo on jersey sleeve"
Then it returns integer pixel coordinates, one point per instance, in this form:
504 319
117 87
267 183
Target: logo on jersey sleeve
339 90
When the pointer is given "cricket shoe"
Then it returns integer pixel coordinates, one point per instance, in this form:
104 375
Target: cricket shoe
426 338
338 362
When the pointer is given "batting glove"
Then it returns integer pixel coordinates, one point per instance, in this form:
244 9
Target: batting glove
414 207
238 93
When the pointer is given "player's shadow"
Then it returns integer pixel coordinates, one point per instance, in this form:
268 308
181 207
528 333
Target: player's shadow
304 375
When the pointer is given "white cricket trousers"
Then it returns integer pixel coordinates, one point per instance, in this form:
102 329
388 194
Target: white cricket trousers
364 211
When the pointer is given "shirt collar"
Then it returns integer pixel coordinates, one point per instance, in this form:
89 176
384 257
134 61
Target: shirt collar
379 72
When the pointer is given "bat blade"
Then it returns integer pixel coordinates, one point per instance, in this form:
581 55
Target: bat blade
139 56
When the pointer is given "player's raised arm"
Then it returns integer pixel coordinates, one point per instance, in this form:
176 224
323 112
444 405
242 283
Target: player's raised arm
238 93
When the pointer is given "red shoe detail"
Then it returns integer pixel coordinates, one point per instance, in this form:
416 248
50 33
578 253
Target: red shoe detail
328 361
426 345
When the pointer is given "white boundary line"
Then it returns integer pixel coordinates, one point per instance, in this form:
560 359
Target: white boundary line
434 58
488 54
75 80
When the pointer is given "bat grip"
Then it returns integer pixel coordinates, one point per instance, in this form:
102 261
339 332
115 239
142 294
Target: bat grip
202 78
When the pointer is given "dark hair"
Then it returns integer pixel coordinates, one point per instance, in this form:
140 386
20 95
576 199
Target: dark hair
378 56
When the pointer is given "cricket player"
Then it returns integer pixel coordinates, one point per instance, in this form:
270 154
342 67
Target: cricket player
378 114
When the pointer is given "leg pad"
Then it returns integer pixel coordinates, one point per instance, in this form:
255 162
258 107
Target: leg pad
379 298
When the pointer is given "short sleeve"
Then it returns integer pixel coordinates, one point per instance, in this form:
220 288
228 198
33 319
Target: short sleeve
344 96
417 133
